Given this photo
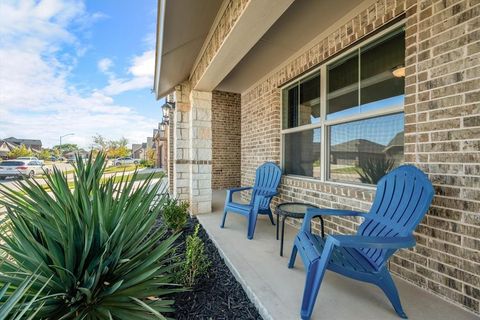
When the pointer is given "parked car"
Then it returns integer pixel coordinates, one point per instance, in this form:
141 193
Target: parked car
20 168
72 159
29 159
52 158
125 161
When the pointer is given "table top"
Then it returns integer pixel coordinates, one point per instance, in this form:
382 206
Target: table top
293 209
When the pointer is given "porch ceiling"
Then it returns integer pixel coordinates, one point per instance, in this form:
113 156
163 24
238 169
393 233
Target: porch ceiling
302 22
182 28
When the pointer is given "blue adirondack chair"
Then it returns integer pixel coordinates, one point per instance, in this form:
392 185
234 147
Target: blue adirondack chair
403 197
267 179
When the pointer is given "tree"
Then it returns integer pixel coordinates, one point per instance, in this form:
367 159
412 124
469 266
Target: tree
118 152
100 143
44 154
21 151
56 152
67 147
122 142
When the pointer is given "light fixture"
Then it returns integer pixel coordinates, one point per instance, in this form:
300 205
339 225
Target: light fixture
166 108
163 125
399 71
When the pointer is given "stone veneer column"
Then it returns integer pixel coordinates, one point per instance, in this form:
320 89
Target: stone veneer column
181 145
200 149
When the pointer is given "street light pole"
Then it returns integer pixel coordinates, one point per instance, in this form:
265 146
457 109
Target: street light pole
60 146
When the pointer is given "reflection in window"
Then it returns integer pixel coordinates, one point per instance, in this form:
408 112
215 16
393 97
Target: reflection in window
309 108
301 103
382 78
383 72
342 98
302 153
364 151
290 108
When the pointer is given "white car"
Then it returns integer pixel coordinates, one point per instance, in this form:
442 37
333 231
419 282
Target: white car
124 161
29 159
20 168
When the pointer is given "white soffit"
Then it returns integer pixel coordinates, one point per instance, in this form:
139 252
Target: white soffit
303 21
182 27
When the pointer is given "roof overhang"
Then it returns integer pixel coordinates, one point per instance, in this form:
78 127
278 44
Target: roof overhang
182 27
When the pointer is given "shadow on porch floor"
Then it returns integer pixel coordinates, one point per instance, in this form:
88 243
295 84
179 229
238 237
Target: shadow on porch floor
277 290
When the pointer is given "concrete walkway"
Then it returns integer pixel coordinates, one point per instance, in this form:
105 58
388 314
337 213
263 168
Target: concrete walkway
277 290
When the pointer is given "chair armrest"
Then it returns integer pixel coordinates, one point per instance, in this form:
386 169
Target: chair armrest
316 212
230 192
373 242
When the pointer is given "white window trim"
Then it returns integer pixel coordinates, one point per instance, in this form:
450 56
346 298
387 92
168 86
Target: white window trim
324 124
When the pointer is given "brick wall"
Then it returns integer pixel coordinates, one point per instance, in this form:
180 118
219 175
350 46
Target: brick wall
442 136
225 140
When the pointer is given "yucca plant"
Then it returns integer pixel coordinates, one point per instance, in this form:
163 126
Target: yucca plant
374 169
91 243
16 303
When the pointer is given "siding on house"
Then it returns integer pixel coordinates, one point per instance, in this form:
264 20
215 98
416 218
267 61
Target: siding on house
225 140
442 137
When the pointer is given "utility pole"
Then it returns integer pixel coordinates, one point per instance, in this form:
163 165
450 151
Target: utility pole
60 146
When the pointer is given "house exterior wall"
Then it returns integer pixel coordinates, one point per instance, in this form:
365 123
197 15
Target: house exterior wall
225 140
442 137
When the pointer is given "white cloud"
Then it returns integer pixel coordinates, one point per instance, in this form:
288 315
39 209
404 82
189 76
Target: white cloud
36 98
105 64
141 75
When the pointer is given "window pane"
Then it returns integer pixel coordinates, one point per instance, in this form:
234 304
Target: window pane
310 101
364 151
302 153
342 98
383 73
290 107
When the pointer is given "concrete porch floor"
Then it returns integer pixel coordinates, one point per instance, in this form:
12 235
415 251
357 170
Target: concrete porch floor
277 291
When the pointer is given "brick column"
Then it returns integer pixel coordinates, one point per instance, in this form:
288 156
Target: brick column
200 150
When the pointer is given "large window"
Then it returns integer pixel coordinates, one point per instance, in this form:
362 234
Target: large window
344 122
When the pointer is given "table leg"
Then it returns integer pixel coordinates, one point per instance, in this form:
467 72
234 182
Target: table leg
323 230
283 234
277 224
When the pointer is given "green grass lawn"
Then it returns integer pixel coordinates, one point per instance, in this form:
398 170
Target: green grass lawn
118 178
347 170
126 168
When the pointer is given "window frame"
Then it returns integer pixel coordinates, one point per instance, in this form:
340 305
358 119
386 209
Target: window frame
324 124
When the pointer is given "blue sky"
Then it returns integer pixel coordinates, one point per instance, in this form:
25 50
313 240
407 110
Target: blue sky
77 66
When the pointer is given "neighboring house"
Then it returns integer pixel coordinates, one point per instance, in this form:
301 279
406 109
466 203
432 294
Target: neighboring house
31 144
394 149
5 148
149 142
138 151
356 152
160 146
251 80
83 153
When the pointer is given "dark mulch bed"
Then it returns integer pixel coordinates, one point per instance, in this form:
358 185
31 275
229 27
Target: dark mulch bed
217 295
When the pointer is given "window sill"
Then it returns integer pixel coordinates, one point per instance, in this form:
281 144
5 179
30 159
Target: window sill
332 183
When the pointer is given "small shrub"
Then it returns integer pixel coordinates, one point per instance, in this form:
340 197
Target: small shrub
175 214
146 163
195 262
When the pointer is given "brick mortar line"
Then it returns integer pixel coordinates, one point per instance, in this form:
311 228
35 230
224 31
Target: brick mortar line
448 74
441 22
449 85
455 198
434 293
435 281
